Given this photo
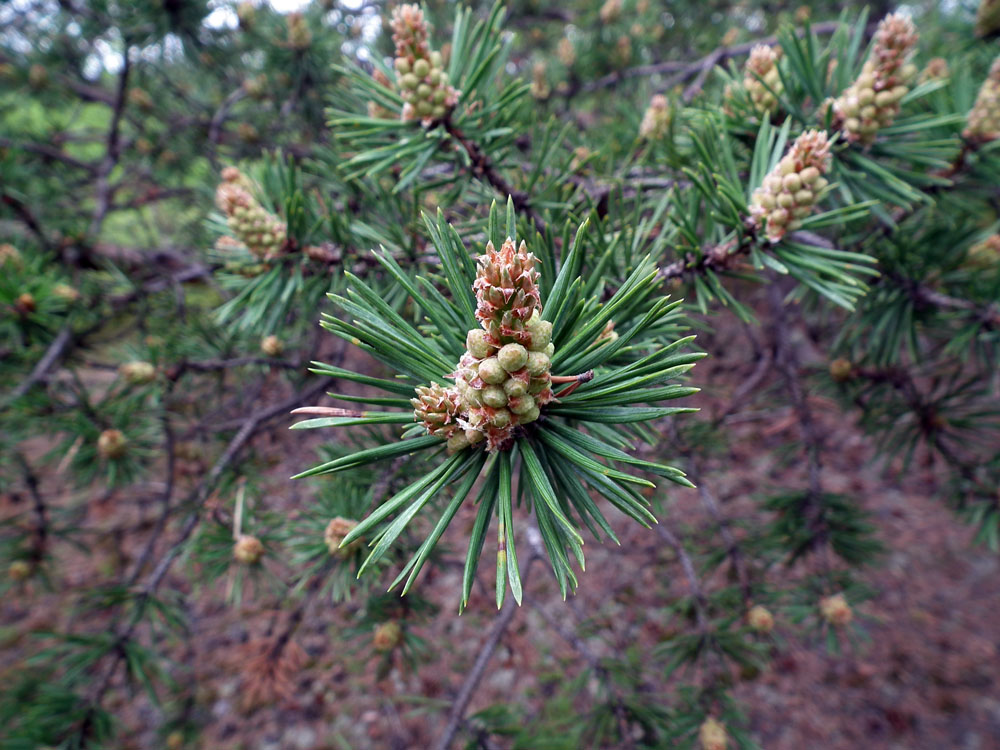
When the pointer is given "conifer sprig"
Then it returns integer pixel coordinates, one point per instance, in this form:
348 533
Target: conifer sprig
551 452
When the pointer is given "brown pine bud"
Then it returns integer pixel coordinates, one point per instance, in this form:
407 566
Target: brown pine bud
712 735
112 444
387 636
760 619
248 550
272 346
336 530
836 610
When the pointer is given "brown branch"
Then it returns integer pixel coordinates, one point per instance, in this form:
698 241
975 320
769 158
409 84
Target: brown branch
697 69
457 714
483 168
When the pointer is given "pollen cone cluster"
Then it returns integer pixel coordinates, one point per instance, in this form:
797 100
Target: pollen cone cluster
656 120
262 232
872 101
423 82
503 378
793 187
762 65
984 119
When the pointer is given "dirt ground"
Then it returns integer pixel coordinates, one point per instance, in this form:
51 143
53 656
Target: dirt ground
922 675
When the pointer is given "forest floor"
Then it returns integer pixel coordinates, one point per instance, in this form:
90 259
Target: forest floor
920 670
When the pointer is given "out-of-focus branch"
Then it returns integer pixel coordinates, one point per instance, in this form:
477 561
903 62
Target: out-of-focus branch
457 714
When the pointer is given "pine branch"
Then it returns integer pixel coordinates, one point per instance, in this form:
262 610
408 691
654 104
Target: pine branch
457 714
483 168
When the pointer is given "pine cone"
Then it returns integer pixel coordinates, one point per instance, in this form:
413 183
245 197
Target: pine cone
420 75
872 101
984 119
793 187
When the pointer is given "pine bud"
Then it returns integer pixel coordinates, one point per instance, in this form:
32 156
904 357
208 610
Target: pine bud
936 69
38 76
789 192
387 636
540 88
19 570
140 98
66 293
656 121
299 36
611 11
250 222
760 619
712 735
437 407
984 120
835 610
247 14
175 740
983 255
248 550
25 304
272 346
566 52
841 370
112 444
859 111
10 254
336 530
137 373
761 78
420 74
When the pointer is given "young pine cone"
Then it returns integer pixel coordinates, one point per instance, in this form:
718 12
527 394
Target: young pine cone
423 82
656 121
790 191
762 65
984 119
872 101
251 223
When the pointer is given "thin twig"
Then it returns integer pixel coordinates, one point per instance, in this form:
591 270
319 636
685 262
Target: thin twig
457 714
